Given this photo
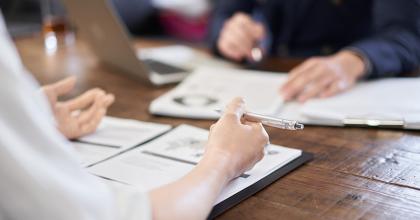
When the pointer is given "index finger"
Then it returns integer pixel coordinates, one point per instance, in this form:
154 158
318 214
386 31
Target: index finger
253 28
298 71
235 109
64 86
297 80
84 100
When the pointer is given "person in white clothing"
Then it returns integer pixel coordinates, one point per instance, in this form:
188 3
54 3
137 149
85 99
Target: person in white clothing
42 179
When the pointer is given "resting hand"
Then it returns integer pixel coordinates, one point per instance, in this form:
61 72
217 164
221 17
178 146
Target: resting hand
240 142
323 76
238 36
79 116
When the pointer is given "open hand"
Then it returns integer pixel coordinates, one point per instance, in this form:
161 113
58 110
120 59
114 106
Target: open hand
323 77
78 116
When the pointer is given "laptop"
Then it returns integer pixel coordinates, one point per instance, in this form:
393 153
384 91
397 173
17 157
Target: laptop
104 31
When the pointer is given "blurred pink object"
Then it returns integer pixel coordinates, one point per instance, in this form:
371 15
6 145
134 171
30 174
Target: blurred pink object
184 27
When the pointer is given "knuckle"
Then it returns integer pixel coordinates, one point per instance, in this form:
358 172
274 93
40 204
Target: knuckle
314 59
259 128
212 127
242 18
239 100
264 138
98 91
239 15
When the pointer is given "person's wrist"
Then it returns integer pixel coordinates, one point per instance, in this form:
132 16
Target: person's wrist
351 63
220 162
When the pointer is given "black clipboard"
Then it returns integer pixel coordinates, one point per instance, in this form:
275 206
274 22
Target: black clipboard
258 186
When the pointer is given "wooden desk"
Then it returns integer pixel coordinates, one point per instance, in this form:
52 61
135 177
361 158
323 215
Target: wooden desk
356 174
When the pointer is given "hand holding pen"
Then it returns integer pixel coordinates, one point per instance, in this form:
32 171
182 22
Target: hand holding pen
240 38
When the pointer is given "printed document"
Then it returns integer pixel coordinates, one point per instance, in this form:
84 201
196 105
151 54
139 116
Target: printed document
174 154
209 89
381 99
115 135
378 100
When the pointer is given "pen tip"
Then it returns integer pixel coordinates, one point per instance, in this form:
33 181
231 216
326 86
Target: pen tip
299 126
218 111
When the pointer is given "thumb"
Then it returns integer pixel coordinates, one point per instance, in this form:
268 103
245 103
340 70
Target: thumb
64 86
235 108
259 31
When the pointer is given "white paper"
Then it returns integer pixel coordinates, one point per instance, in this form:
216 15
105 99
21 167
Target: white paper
208 89
90 154
113 136
173 155
386 99
182 56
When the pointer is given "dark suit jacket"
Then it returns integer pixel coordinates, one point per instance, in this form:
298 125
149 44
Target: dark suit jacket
139 16
386 32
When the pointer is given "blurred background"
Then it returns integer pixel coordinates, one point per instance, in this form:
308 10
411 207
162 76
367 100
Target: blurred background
185 20
23 17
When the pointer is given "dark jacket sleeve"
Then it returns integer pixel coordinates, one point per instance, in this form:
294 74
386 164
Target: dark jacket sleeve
223 10
134 13
394 46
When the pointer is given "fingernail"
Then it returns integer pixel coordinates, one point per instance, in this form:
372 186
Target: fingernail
101 93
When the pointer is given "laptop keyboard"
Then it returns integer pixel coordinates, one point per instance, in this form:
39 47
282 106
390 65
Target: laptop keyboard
163 68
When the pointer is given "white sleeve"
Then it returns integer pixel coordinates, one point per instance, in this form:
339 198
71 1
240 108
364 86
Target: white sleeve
133 203
40 175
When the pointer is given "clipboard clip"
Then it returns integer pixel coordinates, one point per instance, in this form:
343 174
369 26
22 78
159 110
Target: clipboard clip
381 123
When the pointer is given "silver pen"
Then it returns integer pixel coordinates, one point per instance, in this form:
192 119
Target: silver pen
256 54
271 121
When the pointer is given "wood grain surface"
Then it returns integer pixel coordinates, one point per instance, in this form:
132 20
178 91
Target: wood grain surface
357 173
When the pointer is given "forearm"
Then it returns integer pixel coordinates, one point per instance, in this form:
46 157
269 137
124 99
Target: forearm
390 54
193 196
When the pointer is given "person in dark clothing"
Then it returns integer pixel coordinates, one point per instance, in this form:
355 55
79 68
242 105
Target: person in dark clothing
347 40
183 19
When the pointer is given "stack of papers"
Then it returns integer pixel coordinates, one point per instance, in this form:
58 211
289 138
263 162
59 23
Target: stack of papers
174 154
131 153
371 103
113 136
